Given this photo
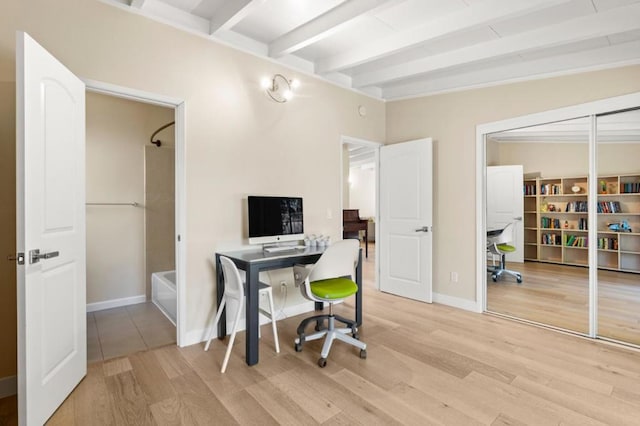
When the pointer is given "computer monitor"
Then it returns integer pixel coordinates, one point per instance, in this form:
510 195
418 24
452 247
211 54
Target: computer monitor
275 219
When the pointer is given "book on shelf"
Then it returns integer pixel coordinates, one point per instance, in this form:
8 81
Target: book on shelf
630 187
529 189
609 207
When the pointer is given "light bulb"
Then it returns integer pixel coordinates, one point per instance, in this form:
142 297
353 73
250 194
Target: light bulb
265 83
287 94
295 83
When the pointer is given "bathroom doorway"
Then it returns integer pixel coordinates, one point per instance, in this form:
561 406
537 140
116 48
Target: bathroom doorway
131 232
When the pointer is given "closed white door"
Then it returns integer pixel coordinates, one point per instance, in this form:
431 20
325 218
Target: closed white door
505 204
405 243
52 346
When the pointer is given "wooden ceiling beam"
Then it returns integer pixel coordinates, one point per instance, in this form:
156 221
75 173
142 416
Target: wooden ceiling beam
614 21
475 16
322 26
230 13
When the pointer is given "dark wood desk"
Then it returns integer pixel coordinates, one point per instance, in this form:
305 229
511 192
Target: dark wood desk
253 262
352 225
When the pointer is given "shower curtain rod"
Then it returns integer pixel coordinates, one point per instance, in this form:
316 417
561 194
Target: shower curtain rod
134 204
158 142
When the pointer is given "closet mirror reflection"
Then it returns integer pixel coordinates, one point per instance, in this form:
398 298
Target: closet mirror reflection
618 166
537 195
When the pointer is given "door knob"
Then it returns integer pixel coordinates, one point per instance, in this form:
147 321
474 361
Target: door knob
35 255
423 229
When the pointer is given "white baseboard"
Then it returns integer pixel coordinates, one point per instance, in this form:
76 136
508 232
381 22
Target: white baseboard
456 302
200 335
116 303
8 386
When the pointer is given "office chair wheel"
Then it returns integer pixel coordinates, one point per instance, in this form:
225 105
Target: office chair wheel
363 353
355 334
322 362
494 278
298 347
519 280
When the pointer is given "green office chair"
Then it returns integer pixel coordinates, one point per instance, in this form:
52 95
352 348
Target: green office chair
497 245
330 280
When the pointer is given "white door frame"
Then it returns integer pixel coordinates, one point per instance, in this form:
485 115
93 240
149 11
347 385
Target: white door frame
589 109
376 146
180 184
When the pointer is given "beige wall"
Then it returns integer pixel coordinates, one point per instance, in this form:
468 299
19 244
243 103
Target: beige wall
117 132
8 335
159 204
570 159
238 141
451 120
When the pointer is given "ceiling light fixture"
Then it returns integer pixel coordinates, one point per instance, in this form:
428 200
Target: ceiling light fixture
279 88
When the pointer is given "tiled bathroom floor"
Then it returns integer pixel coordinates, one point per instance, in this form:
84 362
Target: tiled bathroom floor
122 331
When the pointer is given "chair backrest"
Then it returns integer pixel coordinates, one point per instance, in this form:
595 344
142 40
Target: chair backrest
506 236
233 288
338 260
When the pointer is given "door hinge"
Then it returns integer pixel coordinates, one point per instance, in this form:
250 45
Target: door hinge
18 257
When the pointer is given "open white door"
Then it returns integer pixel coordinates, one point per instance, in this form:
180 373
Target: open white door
406 205
52 346
505 204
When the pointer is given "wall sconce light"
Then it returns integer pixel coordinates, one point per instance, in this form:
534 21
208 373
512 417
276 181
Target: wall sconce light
279 88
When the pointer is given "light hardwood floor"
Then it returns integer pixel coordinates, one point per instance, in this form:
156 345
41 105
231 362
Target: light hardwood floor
427 364
558 295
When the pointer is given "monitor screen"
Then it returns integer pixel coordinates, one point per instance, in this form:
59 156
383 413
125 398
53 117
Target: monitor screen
274 219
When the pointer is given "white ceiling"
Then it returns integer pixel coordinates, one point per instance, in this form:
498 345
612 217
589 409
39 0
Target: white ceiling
393 49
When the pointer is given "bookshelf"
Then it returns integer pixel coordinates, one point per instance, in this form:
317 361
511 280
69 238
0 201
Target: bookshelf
556 216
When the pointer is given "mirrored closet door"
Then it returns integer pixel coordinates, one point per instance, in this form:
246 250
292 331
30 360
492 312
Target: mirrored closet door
547 241
618 244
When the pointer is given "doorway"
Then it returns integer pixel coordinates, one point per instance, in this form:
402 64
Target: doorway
130 226
359 191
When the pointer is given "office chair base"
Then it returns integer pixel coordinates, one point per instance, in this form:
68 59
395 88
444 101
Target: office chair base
330 334
498 273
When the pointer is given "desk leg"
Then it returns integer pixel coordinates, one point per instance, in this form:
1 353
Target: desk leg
359 293
251 350
222 324
366 241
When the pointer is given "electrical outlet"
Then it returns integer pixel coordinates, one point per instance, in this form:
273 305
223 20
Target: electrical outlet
454 277
283 286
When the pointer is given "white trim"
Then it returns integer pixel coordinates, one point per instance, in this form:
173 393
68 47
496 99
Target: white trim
194 337
180 176
181 221
130 93
8 386
116 303
456 302
375 145
617 103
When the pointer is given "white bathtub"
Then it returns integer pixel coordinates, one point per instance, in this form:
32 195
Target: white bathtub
163 293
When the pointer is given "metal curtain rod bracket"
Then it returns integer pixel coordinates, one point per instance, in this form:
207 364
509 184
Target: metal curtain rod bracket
134 204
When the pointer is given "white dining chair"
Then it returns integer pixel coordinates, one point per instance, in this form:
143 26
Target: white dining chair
234 289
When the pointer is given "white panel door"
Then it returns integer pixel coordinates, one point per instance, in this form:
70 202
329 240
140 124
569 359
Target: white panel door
405 241
505 204
52 346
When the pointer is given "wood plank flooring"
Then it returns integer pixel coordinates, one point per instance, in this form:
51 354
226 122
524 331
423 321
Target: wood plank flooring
558 295
427 364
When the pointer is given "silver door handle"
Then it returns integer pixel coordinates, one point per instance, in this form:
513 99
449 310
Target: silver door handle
35 255
517 218
423 229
